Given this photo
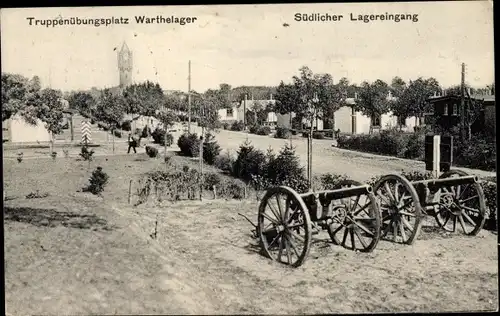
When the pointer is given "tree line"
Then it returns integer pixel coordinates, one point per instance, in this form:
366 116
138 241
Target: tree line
315 96
310 96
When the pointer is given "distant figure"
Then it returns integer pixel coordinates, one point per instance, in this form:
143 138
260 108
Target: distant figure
132 143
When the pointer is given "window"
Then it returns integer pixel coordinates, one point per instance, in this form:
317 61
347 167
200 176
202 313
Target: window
401 121
445 110
229 112
376 120
455 109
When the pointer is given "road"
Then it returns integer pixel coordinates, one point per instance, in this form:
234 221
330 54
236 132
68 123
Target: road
359 166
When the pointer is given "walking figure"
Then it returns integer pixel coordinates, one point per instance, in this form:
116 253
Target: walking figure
132 143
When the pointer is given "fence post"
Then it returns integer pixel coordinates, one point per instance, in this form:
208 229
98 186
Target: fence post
130 191
436 159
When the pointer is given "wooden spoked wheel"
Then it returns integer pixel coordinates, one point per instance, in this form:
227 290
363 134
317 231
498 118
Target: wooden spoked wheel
355 221
461 205
400 207
284 226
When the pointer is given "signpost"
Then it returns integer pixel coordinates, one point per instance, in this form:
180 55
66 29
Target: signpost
438 153
86 133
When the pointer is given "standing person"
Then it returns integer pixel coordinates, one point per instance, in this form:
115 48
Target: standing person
131 143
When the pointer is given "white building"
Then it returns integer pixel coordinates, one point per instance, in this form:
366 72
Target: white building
354 122
17 130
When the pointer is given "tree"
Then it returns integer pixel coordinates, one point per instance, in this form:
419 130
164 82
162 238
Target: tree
372 100
413 99
208 121
84 102
310 96
110 110
175 101
143 98
44 105
287 99
14 90
168 118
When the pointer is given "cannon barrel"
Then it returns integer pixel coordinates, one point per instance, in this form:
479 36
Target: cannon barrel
439 183
339 193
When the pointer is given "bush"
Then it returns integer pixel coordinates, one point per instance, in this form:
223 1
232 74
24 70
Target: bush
98 181
211 179
189 144
415 148
151 151
211 149
282 132
160 136
253 129
127 126
238 126
86 154
264 130
224 163
226 125
285 169
417 175
331 181
37 195
318 135
478 153
146 131
490 192
233 189
249 162
117 133
393 143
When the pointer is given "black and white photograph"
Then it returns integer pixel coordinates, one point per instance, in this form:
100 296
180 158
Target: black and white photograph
300 158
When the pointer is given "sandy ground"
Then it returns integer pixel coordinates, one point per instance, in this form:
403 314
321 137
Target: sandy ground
84 257
81 254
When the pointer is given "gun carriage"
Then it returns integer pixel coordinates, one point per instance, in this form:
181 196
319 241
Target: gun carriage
287 220
456 201
356 216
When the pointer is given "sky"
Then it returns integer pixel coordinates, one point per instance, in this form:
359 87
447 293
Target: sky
252 44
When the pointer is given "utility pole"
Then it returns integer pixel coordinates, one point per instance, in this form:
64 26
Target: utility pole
189 97
245 111
462 105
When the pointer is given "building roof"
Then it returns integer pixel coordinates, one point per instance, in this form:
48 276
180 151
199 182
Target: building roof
486 98
125 47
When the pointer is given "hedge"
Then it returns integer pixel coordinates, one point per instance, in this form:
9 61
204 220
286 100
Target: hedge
479 153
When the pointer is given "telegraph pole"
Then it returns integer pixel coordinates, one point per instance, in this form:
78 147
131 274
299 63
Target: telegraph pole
189 97
462 105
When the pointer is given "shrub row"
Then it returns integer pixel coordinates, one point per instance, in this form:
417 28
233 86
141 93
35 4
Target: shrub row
387 142
238 126
260 130
183 184
479 153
